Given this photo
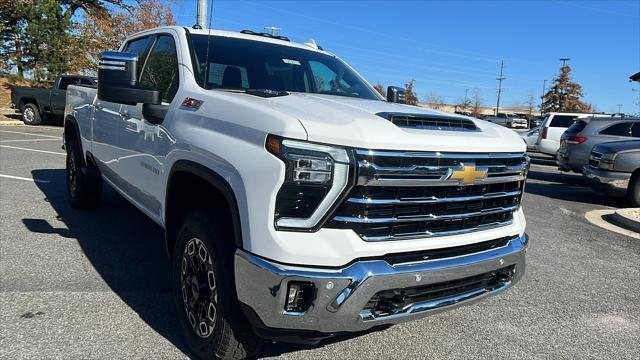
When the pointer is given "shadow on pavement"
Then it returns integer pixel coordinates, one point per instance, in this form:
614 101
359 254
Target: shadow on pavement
123 245
568 187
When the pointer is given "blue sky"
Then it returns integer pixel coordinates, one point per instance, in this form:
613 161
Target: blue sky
451 46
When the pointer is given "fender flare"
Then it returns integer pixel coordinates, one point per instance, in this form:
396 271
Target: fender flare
215 180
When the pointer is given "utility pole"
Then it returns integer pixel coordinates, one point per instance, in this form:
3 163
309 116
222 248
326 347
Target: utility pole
564 60
466 91
274 30
201 14
500 86
619 108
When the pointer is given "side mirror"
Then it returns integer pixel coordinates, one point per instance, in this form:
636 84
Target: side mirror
118 80
396 94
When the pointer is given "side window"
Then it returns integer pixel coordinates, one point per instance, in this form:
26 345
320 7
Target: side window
325 78
66 81
139 47
635 129
563 121
161 69
84 81
619 129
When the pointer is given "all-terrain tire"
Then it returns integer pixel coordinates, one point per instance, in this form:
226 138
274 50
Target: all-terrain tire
83 188
226 334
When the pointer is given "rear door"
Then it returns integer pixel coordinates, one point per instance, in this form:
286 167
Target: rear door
59 92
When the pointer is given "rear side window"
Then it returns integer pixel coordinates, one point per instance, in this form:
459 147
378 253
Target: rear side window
576 127
139 47
635 129
619 129
563 121
66 81
161 70
84 81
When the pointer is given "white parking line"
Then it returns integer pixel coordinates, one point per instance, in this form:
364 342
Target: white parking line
26 140
23 178
32 134
26 149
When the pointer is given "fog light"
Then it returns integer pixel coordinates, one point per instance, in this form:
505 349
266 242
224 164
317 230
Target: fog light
300 296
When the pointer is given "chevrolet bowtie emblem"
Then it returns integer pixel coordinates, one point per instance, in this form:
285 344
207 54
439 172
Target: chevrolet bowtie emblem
468 174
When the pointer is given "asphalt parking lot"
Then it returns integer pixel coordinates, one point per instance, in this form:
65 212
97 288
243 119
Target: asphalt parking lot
94 285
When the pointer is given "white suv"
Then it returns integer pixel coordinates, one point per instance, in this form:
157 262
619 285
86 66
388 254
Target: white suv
296 202
553 126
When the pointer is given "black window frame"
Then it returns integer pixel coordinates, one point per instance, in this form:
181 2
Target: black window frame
561 117
153 43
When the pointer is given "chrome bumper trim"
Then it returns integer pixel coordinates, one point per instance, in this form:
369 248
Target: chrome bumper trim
342 294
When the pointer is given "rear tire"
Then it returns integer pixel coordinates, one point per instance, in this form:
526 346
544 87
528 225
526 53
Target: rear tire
208 310
83 190
633 192
31 114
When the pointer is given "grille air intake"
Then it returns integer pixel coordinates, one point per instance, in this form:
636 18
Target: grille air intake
430 122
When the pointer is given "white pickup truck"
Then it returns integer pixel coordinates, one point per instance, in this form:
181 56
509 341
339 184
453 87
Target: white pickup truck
297 203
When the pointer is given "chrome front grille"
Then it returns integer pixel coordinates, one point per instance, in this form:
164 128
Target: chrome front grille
400 195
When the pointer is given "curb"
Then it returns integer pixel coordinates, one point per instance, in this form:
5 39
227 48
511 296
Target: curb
602 218
624 217
10 122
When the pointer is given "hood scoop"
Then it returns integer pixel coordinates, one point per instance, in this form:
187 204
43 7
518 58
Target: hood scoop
430 122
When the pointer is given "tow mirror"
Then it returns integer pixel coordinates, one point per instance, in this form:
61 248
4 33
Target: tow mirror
118 80
396 94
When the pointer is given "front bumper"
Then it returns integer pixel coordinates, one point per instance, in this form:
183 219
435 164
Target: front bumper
342 294
607 182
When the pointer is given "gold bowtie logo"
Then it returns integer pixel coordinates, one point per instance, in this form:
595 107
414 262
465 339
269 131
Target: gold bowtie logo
468 174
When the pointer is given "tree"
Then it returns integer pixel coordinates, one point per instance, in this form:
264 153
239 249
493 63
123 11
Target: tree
464 103
477 103
36 36
380 89
564 95
410 95
104 29
434 101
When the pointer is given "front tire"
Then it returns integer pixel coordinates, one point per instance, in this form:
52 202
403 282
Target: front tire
633 192
31 114
204 290
83 190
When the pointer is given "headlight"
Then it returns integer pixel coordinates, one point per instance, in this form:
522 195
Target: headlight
316 176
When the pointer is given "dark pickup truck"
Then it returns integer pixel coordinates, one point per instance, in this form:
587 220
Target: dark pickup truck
36 103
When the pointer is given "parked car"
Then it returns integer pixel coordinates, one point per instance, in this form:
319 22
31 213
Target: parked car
530 138
296 203
36 103
553 126
578 140
535 121
508 120
614 169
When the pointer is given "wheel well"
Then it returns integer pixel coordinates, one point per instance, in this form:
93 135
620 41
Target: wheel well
192 190
25 101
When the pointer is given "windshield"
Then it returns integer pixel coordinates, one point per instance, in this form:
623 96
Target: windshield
240 64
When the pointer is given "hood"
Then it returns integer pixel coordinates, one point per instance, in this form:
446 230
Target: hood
353 122
617 146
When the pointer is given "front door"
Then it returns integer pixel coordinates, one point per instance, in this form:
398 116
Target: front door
143 145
